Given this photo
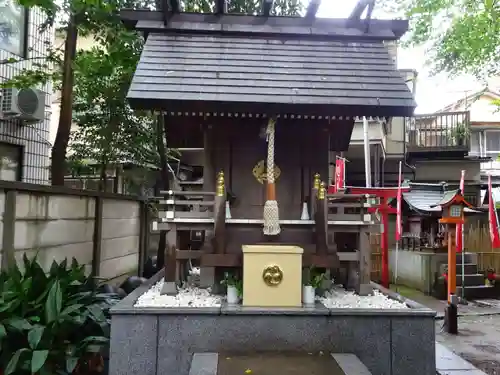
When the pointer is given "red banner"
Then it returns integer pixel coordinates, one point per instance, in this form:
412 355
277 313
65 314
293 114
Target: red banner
398 208
492 215
339 174
459 228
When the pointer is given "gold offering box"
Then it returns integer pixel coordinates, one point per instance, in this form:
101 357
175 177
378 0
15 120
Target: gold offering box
272 276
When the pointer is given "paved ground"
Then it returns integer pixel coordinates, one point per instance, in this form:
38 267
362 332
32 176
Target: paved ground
478 340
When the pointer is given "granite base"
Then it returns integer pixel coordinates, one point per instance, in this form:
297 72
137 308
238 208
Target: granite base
162 341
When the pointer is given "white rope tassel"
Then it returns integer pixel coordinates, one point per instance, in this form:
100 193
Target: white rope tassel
271 211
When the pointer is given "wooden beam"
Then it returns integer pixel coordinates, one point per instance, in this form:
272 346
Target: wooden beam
221 6
382 29
312 8
267 6
169 7
174 6
359 9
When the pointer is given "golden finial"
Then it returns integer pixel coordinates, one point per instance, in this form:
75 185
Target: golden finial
220 184
316 181
322 191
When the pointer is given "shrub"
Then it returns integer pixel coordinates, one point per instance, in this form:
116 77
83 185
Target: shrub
54 323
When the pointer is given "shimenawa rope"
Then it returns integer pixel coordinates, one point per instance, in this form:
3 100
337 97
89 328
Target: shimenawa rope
271 210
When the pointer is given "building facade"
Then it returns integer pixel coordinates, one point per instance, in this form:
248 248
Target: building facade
24 147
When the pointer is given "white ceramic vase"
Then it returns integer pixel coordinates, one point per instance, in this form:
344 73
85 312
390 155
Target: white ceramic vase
308 294
232 295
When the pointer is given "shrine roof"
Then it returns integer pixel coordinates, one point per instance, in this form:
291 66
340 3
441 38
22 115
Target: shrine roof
268 64
426 199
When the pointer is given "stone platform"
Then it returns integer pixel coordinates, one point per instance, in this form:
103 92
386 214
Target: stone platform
162 341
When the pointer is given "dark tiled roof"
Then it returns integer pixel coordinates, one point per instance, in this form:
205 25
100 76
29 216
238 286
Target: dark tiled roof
426 198
218 68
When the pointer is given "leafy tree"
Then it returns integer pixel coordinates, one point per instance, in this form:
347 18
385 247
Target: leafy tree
463 36
94 83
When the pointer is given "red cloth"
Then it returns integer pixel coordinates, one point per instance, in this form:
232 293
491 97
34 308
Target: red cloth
398 212
492 216
459 228
339 174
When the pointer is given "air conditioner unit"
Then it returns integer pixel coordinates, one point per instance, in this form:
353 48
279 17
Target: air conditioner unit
23 104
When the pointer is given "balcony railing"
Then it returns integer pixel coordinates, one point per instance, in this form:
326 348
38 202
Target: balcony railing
445 131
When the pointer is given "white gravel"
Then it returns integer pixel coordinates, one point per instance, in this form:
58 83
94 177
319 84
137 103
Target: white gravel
197 297
187 297
339 298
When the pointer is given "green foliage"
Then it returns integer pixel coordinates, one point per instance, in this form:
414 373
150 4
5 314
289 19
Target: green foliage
50 323
313 277
463 36
109 131
280 7
234 281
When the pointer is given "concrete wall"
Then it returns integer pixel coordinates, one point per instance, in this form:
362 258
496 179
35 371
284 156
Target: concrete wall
447 170
151 341
57 226
416 269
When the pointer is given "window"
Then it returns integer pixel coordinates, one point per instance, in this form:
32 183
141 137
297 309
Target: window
492 144
10 162
13 28
475 148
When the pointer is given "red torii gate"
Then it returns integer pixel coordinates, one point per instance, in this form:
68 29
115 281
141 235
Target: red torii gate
384 194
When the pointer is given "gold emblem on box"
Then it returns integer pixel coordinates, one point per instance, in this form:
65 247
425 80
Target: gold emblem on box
272 275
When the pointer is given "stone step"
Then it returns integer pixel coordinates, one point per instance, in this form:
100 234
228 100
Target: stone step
478 291
266 364
470 280
469 258
469 268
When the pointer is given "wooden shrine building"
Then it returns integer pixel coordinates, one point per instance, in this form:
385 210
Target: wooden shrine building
247 87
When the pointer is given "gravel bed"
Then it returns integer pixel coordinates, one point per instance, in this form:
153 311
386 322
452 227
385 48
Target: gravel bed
198 297
187 297
340 298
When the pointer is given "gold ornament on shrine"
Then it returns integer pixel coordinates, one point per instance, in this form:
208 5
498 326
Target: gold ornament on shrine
272 275
260 172
220 184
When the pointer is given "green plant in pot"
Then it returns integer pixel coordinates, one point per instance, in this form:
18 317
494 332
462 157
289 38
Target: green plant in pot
234 288
312 280
52 323
459 134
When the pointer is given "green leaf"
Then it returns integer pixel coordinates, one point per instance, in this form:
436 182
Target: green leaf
35 335
38 360
71 363
12 365
18 324
3 332
53 304
97 313
71 308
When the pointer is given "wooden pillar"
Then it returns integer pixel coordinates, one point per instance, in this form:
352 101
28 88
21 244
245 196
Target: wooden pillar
220 216
208 162
9 228
321 220
314 194
171 272
207 274
97 237
452 263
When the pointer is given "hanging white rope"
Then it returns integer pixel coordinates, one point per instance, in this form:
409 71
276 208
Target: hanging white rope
271 210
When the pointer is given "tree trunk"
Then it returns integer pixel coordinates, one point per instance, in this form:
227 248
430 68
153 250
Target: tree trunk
103 177
58 162
161 138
